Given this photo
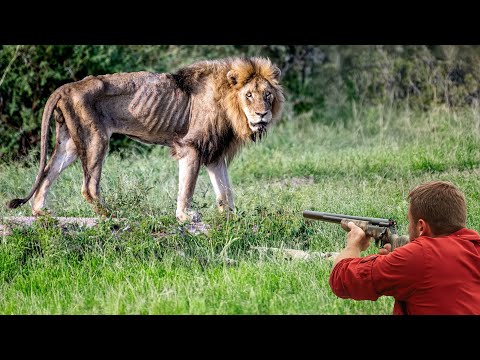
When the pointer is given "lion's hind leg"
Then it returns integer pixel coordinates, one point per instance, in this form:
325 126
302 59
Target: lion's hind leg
64 154
91 140
92 171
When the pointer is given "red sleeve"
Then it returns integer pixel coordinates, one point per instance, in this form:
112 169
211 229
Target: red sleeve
351 278
372 276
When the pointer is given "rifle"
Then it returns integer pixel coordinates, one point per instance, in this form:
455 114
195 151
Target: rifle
382 230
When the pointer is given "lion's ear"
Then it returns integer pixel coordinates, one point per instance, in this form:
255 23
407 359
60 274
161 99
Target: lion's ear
232 77
276 73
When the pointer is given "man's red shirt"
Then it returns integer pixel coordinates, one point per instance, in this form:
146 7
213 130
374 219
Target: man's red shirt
428 275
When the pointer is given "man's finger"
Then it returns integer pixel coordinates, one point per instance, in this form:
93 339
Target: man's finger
351 225
385 250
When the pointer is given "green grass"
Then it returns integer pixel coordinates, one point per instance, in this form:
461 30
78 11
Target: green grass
149 264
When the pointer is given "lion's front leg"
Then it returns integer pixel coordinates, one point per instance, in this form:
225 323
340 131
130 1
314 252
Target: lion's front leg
221 185
188 168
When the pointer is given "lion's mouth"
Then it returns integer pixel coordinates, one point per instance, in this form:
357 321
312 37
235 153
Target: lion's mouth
259 130
259 126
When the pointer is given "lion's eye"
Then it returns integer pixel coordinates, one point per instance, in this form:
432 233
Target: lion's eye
249 94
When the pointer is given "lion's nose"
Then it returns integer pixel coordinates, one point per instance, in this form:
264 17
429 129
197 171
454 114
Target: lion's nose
261 114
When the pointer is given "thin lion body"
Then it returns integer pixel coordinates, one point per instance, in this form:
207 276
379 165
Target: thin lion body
204 112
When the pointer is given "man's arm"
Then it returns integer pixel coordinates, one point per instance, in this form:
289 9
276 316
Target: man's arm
348 279
396 274
357 242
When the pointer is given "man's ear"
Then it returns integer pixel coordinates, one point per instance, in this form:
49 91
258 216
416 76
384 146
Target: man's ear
423 228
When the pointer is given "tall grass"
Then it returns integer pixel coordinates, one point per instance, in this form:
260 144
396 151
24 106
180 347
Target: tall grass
150 264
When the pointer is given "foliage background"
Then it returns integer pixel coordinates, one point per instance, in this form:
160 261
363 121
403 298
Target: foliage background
332 83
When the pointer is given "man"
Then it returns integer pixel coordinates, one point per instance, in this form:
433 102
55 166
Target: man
437 272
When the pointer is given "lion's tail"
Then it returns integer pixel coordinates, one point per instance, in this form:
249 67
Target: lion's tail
47 114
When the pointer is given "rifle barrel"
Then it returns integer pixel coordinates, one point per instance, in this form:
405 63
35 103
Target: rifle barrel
337 218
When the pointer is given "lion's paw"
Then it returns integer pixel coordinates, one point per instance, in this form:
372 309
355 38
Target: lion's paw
188 215
42 212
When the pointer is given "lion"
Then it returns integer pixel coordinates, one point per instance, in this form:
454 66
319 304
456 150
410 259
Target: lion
204 112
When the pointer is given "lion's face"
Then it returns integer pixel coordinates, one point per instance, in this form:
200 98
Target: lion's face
256 99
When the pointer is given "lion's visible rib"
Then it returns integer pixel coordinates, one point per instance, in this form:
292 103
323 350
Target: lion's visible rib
150 101
170 126
155 119
139 94
160 117
167 113
139 106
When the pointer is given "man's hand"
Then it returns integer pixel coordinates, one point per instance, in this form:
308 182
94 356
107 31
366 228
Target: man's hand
357 238
387 248
357 242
